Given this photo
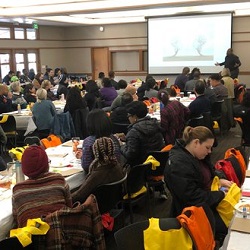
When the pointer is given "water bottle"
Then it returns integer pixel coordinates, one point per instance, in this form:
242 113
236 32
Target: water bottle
244 211
19 109
19 172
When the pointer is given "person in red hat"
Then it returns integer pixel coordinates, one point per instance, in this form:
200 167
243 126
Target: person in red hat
42 193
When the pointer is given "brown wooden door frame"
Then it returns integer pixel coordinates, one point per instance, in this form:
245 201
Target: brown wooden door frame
100 58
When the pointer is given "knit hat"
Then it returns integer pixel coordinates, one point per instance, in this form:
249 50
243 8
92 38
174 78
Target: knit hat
130 89
34 161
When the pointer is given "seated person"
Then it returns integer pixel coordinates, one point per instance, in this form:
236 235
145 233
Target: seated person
144 134
201 104
119 114
42 193
3 141
92 95
108 92
104 169
173 117
30 93
240 110
46 84
151 86
17 97
189 174
5 99
129 89
98 125
122 84
220 90
181 79
74 101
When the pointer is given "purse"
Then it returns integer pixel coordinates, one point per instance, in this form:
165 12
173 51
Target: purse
226 207
157 239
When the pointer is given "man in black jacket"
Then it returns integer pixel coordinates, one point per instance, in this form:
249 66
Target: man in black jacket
232 62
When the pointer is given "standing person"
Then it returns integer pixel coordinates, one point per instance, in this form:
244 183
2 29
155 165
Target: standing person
104 169
181 79
42 193
173 117
144 134
189 175
232 62
43 113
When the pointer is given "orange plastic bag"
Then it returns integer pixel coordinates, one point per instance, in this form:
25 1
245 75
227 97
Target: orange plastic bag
195 221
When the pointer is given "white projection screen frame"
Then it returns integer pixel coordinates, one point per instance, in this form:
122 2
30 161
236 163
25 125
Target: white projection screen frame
198 40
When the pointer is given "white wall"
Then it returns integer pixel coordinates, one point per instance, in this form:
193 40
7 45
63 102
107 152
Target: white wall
70 47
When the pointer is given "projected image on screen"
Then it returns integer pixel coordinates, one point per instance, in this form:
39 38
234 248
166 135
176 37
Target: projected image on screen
193 41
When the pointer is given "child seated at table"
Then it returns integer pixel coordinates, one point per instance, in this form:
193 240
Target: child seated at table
103 169
42 193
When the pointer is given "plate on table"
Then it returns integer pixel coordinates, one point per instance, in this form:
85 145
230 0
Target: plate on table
59 165
239 206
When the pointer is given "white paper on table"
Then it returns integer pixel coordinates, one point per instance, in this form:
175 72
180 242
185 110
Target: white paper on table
238 241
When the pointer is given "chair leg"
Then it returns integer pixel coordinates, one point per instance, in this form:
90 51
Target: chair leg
131 213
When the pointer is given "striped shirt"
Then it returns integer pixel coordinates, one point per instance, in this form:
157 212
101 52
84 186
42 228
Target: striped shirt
35 198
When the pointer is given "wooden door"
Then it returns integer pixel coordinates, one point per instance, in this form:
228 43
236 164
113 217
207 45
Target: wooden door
100 61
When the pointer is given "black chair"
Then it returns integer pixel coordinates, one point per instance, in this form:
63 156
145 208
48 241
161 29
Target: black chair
196 121
151 175
244 123
131 236
109 195
120 127
13 243
216 112
8 124
136 180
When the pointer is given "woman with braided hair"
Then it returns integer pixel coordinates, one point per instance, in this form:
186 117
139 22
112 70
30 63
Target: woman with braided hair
104 169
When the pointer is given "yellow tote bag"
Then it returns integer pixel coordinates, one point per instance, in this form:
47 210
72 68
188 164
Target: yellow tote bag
226 207
157 239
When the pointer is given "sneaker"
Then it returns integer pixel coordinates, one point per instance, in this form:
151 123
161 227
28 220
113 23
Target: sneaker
163 195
